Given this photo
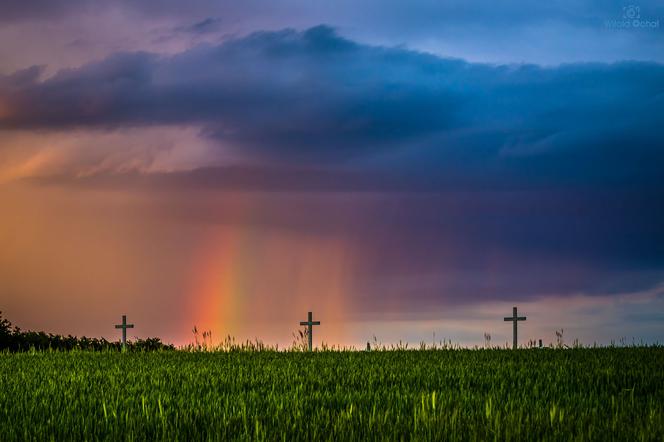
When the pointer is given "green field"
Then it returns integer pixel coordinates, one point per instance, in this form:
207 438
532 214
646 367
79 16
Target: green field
596 394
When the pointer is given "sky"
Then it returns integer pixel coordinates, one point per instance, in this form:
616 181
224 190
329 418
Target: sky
408 171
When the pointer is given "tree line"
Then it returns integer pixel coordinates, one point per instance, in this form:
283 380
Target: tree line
14 339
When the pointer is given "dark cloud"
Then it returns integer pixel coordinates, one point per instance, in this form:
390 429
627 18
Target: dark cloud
294 91
315 97
210 24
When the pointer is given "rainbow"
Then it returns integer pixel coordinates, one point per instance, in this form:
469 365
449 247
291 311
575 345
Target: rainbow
251 281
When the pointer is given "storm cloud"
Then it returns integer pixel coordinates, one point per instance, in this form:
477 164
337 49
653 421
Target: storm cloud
316 97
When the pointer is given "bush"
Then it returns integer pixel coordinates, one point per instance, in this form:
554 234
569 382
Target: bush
15 340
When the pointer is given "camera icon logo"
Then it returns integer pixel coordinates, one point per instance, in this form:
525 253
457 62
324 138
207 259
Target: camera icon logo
631 12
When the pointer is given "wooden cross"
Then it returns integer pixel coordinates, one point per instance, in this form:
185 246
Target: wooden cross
309 323
124 326
514 318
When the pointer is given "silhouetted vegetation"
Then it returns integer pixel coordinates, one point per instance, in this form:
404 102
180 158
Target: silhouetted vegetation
14 339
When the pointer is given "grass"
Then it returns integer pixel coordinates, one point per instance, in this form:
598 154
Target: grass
595 394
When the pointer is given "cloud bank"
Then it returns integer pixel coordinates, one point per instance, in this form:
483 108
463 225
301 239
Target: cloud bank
315 97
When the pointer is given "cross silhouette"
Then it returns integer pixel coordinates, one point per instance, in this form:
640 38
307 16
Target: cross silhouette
124 326
309 323
514 318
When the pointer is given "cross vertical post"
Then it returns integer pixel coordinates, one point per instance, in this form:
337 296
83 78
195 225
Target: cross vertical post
514 318
124 326
310 323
